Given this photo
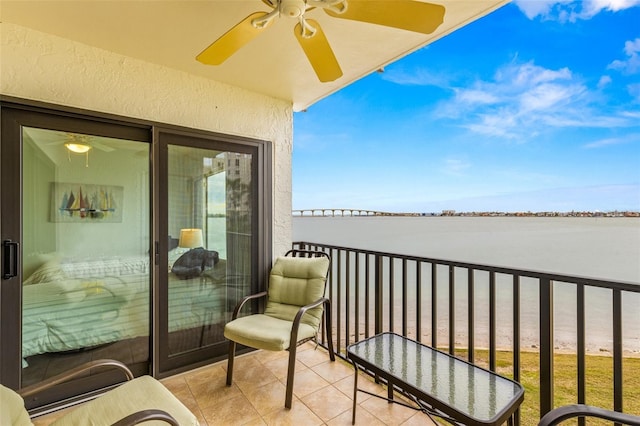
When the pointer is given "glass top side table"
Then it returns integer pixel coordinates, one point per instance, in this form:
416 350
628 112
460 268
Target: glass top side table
439 383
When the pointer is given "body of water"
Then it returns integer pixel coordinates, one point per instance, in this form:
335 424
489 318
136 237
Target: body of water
604 248
607 248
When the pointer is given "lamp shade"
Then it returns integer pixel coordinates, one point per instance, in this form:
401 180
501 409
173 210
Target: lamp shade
191 238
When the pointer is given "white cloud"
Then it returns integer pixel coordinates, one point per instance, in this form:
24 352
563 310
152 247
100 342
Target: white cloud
634 90
417 77
632 64
604 81
571 10
476 96
605 142
456 166
534 8
523 100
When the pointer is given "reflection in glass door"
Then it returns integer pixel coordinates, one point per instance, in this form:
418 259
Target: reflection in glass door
209 224
85 251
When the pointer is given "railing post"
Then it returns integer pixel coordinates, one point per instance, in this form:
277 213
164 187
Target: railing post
617 351
471 315
546 346
492 322
434 305
378 295
452 310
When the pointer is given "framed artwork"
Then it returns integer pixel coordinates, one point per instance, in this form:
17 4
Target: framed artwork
79 202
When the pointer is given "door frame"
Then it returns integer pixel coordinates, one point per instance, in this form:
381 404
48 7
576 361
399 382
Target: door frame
16 113
163 364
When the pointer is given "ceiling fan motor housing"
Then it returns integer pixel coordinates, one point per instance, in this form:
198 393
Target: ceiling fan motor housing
293 8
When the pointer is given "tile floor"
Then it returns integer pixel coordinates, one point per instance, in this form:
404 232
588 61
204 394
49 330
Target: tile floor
323 393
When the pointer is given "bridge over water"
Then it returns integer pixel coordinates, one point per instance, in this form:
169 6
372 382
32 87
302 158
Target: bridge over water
346 212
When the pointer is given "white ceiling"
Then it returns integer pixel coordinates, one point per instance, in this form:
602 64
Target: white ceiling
172 33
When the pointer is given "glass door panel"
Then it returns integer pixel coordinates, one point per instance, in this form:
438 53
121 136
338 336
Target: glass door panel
210 212
85 251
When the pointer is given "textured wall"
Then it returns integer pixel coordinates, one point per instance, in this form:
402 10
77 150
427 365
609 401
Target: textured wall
37 66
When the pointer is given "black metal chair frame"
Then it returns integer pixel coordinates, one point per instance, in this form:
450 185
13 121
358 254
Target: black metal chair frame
294 329
560 414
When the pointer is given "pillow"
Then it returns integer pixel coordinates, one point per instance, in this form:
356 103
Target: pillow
194 262
49 271
175 254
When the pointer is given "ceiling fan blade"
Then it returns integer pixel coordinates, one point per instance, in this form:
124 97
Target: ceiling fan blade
319 52
409 15
221 49
101 146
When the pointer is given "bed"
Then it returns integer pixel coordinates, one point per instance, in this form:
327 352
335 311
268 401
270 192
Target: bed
75 304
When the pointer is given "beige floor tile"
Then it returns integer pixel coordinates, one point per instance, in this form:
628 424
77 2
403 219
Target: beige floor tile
235 411
298 415
211 389
259 377
388 413
363 418
280 366
179 387
306 382
268 398
266 356
327 403
311 356
364 382
419 419
333 371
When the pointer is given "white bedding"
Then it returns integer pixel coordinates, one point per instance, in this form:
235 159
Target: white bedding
80 310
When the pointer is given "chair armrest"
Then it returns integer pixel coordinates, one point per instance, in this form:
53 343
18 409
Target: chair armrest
74 372
244 300
146 415
303 310
561 414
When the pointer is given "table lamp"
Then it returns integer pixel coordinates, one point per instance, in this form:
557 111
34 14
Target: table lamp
191 238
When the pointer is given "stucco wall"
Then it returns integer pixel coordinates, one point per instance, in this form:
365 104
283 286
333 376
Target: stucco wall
47 68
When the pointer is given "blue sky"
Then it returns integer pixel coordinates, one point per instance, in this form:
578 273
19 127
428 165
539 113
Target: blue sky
535 107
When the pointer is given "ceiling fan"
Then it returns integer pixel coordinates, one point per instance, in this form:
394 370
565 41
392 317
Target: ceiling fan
79 143
409 15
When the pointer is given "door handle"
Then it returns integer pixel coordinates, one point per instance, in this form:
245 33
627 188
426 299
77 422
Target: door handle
10 259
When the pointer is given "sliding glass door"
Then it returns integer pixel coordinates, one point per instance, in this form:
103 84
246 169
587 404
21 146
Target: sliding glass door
76 258
209 193
123 240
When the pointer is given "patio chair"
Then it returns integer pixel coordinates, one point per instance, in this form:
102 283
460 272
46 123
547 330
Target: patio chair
136 401
560 414
293 314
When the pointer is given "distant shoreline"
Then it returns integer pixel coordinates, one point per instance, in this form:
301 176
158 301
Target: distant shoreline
344 212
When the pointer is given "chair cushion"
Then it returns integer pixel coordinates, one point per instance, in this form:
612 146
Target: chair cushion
265 332
12 411
141 393
295 282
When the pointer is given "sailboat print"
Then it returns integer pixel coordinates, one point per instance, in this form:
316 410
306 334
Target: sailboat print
81 202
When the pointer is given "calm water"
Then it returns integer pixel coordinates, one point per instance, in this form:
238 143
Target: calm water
606 248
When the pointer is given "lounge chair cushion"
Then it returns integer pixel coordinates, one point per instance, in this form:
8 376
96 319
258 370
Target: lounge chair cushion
141 393
265 332
295 282
12 411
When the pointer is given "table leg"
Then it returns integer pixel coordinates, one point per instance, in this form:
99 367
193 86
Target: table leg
355 393
390 391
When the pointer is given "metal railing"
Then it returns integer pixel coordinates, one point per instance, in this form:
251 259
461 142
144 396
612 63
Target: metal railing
466 308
